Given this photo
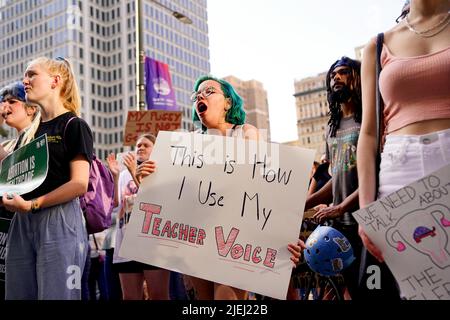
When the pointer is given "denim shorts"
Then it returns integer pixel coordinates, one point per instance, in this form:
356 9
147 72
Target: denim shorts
407 158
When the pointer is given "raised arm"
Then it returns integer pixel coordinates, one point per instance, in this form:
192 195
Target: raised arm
129 160
114 167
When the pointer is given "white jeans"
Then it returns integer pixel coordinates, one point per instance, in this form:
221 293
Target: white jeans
407 158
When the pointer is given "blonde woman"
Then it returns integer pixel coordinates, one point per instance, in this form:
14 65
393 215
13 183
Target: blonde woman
46 249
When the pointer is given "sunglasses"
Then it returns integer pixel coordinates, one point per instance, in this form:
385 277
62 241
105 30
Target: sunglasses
62 59
206 92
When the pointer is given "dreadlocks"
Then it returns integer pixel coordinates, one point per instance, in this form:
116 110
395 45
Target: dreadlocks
354 85
405 11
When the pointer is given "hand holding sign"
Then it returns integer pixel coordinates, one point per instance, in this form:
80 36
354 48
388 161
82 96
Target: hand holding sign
16 203
370 246
144 169
410 230
209 211
26 168
296 250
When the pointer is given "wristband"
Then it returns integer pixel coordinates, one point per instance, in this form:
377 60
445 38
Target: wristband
34 206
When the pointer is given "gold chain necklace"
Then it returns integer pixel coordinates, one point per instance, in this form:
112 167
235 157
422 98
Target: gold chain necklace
425 33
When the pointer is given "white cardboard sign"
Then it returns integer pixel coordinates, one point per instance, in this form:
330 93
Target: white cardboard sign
222 209
412 229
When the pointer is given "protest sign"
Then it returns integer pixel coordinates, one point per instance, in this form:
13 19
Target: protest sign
21 172
411 227
5 221
222 209
26 168
151 121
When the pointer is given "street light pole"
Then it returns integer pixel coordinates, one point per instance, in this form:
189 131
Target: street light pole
140 53
140 58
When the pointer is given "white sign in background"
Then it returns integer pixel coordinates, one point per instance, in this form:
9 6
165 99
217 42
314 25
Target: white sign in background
412 229
222 209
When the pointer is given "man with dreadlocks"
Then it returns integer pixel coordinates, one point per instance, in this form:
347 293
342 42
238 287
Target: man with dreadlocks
344 99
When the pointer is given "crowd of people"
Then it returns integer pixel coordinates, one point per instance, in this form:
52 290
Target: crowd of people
48 232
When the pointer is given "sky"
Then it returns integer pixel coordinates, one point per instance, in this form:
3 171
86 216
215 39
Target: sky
279 41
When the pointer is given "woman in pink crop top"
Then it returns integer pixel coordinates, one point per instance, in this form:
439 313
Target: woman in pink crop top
414 83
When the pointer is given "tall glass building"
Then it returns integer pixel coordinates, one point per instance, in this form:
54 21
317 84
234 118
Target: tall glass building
98 37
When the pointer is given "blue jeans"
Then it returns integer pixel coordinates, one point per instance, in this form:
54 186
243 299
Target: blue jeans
45 254
113 287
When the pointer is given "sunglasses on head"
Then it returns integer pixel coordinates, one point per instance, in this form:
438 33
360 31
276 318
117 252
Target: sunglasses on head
62 59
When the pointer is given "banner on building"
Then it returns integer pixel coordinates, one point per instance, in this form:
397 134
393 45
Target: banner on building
160 93
150 121
411 227
222 209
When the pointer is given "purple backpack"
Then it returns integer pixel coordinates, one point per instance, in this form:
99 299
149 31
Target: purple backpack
98 202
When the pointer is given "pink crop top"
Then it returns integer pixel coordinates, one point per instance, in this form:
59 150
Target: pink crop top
414 88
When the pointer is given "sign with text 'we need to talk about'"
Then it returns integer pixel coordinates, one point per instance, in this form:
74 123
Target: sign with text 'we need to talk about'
411 227
221 208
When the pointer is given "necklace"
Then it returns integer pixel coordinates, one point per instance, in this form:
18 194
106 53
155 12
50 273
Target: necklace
441 25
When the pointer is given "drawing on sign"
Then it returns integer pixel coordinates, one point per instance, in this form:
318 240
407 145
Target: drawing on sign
429 238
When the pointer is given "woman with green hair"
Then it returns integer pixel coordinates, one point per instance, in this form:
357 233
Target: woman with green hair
217 109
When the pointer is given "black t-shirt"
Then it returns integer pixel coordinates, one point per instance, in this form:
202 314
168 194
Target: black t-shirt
62 148
321 176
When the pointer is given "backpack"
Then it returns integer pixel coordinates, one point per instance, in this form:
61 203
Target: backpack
98 201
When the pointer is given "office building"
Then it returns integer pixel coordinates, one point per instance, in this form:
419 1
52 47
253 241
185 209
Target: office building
98 38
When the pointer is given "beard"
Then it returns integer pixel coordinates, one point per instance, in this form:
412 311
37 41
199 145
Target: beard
342 95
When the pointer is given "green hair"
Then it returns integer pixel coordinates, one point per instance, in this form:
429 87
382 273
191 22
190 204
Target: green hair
236 113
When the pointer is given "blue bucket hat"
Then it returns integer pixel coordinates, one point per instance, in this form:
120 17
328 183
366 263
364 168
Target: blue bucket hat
14 90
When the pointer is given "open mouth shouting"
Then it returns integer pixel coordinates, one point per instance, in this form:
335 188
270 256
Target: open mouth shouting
6 114
201 108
